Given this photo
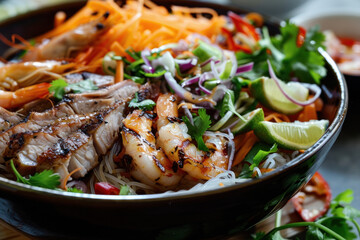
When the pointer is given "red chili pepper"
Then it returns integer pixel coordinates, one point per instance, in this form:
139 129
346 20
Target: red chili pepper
300 37
243 26
348 41
232 45
318 186
106 189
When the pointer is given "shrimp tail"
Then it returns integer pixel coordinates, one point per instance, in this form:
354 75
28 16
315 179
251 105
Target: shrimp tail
10 100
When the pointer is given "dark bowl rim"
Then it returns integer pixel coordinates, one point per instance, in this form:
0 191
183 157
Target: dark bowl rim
333 128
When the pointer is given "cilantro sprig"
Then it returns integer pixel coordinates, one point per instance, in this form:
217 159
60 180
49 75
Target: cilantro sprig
46 179
256 155
338 224
146 104
196 131
60 86
288 58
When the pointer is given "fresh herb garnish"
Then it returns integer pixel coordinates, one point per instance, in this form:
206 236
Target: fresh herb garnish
288 58
146 104
58 87
256 155
124 190
196 131
227 104
338 224
75 190
46 179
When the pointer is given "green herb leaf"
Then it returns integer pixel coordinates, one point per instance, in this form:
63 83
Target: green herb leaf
227 104
46 179
255 156
83 86
58 88
197 130
124 190
75 190
147 104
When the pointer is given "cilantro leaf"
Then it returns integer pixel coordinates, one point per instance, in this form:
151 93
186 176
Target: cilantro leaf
196 130
58 88
124 190
83 86
255 156
147 104
46 179
227 104
75 190
288 59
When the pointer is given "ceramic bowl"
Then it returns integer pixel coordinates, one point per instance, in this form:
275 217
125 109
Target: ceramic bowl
50 214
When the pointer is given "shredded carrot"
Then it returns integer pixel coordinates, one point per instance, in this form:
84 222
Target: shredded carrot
63 184
119 76
278 117
139 24
319 104
308 113
249 141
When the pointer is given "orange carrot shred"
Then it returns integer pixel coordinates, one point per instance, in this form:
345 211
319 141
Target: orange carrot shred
63 184
119 76
249 141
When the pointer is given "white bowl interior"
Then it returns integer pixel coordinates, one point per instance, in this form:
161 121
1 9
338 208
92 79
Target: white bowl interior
346 24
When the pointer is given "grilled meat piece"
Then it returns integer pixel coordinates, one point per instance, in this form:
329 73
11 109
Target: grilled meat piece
77 151
8 119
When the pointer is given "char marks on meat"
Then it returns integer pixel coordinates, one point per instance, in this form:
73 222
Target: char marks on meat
72 135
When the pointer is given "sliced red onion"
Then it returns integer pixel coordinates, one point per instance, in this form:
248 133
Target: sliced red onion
214 70
209 60
245 68
313 87
188 113
220 91
166 61
78 184
190 81
203 78
186 64
188 96
144 54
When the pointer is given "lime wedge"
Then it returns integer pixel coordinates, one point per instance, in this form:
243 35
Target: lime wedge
252 119
268 93
294 135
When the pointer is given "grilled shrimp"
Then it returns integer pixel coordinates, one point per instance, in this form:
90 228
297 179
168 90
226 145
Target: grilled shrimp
148 164
10 100
178 147
24 74
66 44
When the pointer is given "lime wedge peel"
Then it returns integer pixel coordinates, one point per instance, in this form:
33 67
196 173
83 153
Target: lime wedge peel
266 91
252 119
294 136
